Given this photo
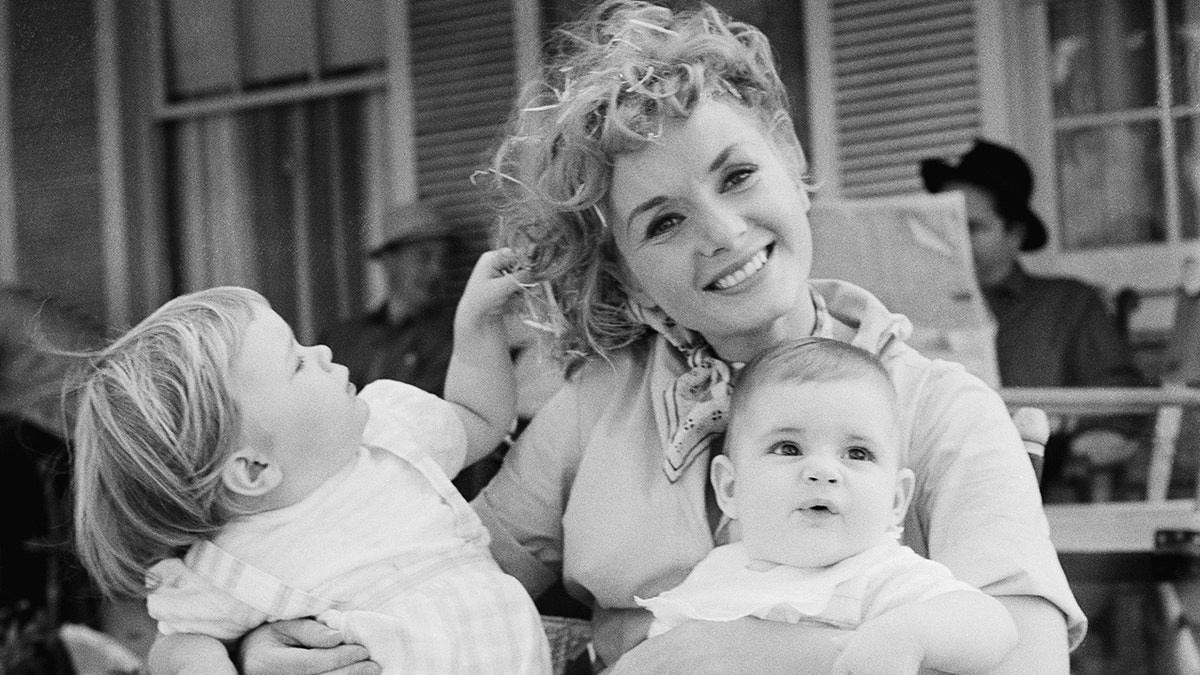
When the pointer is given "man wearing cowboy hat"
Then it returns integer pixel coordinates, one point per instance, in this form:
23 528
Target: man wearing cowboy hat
1051 332
409 337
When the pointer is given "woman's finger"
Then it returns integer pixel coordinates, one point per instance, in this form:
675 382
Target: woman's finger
306 633
360 668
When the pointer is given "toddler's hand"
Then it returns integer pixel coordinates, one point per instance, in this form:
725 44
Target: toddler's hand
493 281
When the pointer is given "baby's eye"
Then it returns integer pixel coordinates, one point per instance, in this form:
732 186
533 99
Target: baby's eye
737 177
663 224
299 363
860 454
786 449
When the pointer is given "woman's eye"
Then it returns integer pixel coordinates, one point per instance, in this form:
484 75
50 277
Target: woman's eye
786 449
663 224
299 363
860 454
737 177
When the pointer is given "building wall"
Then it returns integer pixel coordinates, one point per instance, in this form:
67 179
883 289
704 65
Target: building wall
55 167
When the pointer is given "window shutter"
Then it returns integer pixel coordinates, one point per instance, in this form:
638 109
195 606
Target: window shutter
464 82
906 87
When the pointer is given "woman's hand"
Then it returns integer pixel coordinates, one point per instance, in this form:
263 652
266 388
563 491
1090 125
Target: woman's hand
743 646
302 647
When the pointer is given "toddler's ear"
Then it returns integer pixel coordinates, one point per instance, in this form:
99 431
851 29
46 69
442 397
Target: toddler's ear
250 473
723 480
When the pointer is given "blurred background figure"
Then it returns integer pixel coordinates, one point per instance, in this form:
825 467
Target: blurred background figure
1051 331
409 337
35 422
1054 332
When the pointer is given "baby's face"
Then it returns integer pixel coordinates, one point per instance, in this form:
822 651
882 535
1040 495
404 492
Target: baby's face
813 474
296 401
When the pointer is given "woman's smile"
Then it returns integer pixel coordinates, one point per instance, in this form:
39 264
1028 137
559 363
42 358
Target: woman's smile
742 273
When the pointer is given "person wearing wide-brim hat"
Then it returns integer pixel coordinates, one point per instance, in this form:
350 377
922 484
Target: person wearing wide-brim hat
1005 177
409 336
1051 331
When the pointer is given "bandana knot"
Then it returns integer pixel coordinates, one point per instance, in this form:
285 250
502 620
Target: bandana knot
697 407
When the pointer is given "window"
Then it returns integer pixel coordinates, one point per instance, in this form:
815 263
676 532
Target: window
1125 87
263 140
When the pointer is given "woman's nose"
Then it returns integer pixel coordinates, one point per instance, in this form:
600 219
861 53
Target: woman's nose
722 228
819 470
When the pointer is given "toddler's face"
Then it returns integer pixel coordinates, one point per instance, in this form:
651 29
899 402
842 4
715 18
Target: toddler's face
297 401
813 474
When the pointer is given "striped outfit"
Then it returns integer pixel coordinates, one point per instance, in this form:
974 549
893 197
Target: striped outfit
387 552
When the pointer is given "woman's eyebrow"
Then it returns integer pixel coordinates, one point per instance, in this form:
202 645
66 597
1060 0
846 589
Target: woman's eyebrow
645 206
721 158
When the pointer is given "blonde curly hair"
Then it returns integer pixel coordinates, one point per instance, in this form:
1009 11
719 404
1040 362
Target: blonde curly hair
615 78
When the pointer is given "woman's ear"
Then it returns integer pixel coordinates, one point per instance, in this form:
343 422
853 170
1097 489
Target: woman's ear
723 481
906 482
250 473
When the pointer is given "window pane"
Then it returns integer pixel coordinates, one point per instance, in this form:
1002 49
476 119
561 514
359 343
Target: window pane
1110 185
1184 19
280 41
202 44
1187 144
351 34
1102 55
273 199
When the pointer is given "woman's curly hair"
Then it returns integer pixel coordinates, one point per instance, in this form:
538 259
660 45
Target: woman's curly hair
616 76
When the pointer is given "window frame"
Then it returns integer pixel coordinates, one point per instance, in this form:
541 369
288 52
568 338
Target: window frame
1148 267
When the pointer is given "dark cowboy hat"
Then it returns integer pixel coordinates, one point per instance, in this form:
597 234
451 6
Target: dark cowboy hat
1002 172
410 224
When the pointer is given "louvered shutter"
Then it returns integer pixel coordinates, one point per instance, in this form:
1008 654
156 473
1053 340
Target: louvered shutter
464 82
906 87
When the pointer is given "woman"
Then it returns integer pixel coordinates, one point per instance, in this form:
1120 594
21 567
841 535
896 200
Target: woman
658 177
655 184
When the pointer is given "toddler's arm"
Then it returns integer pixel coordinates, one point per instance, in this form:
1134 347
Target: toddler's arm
957 632
189 654
481 382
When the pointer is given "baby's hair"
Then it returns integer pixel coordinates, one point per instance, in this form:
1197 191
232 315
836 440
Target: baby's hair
616 77
806 360
155 424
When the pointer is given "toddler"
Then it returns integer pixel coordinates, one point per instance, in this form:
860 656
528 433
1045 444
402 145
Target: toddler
237 477
813 478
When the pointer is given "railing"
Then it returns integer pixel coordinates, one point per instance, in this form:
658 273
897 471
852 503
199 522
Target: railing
1152 539
1167 402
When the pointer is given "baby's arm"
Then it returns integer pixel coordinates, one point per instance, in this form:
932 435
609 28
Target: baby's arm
956 632
189 654
481 382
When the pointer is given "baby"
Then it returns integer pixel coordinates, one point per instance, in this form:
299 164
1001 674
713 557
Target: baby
813 477
208 432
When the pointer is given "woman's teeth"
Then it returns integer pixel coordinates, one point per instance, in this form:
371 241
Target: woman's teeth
746 271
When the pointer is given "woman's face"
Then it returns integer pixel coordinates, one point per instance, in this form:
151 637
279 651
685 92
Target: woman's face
711 225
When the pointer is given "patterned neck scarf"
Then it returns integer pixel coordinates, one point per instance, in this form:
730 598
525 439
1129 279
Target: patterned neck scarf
695 406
